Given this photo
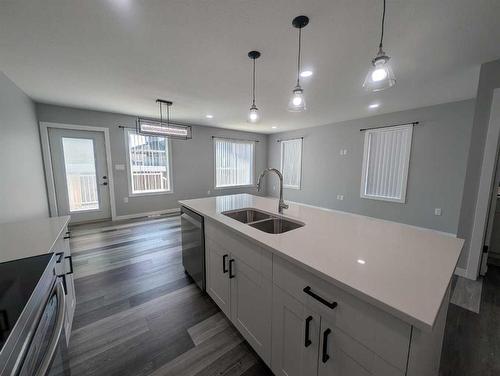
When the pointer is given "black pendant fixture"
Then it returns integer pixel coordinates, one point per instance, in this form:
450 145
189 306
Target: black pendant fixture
253 114
380 76
297 101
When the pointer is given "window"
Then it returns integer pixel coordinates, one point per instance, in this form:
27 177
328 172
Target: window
234 163
385 163
149 164
291 162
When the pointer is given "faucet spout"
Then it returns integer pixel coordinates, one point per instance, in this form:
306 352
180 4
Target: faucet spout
281 205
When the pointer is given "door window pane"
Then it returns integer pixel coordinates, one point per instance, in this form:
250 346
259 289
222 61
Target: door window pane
81 176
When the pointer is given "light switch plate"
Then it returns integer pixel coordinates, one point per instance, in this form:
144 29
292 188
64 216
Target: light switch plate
119 167
340 197
437 211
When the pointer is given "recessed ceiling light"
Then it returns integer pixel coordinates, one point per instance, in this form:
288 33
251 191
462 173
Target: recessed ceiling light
209 116
374 105
274 127
306 73
362 262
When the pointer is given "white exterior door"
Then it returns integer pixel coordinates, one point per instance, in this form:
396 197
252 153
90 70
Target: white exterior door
80 174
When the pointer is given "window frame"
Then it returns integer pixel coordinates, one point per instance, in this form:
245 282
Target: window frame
283 142
253 167
129 166
406 164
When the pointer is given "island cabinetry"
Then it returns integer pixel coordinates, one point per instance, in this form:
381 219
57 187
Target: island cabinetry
64 269
239 281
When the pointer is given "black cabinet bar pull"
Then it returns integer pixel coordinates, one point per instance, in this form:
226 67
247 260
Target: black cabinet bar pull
70 264
309 292
60 257
325 355
231 262
307 341
67 237
224 258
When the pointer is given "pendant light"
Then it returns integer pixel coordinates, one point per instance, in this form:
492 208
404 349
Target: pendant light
163 128
253 114
297 101
380 76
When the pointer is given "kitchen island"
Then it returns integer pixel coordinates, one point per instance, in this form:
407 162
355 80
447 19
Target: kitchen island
344 294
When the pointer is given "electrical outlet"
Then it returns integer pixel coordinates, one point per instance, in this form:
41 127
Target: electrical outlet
208 192
125 200
340 197
437 211
343 151
274 188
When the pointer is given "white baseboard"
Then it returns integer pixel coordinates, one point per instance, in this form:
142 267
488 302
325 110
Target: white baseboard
461 272
146 214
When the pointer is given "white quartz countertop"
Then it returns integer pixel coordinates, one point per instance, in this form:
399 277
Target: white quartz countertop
30 238
406 269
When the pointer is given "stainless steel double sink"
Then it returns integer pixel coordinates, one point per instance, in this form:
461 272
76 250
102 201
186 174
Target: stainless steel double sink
263 221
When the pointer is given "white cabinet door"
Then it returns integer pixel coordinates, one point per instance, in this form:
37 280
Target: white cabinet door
341 355
218 284
295 341
251 306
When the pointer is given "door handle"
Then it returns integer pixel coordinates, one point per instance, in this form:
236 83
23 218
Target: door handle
104 177
325 356
105 183
231 262
224 258
307 341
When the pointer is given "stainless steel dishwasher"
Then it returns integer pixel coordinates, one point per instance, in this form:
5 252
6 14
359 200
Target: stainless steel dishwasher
193 246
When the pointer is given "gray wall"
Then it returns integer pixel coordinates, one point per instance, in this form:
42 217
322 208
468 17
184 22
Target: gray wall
192 160
436 175
489 79
22 182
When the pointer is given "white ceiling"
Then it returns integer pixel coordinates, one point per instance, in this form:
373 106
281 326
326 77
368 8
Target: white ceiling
120 55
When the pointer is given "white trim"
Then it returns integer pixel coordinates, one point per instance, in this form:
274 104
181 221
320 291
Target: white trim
461 272
147 214
484 193
47 162
366 161
129 175
296 187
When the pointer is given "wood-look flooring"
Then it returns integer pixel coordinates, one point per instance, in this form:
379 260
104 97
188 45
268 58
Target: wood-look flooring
138 313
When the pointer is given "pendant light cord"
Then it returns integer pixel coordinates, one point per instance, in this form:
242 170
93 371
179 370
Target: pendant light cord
383 24
253 84
298 57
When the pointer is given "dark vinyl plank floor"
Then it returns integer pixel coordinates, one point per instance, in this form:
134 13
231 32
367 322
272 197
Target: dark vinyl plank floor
135 307
138 313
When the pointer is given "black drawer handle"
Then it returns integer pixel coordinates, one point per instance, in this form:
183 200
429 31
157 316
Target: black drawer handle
231 262
224 258
309 292
70 264
67 237
325 356
60 257
307 341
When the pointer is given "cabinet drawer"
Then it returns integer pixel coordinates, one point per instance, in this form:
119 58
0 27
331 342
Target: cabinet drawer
242 248
382 333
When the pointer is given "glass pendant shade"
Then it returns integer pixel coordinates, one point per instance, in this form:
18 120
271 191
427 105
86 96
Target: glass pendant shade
380 76
297 101
253 114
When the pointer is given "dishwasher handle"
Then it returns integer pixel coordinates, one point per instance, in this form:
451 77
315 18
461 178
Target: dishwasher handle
56 335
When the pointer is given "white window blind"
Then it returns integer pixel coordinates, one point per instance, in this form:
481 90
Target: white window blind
385 163
234 163
291 162
149 164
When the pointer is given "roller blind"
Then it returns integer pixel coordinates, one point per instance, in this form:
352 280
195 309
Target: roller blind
234 163
385 163
291 162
